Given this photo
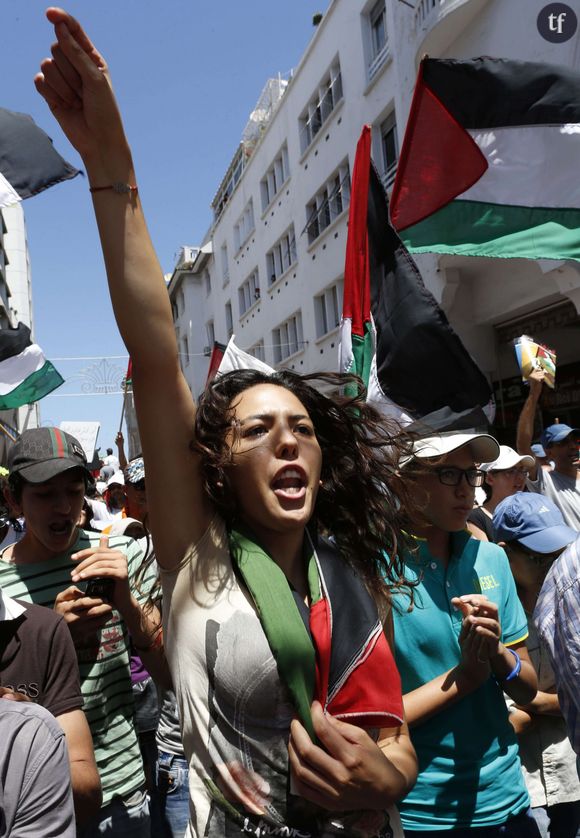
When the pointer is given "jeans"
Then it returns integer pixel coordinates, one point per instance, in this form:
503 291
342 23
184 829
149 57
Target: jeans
559 821
520 826
121 818
170 805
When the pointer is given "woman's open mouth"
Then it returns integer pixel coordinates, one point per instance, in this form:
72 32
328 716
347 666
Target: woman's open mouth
290 483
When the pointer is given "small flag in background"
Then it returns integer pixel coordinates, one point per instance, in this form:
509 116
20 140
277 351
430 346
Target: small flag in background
394 335
128 380
532 356
28 161
9 432
217 356
489 161
25 374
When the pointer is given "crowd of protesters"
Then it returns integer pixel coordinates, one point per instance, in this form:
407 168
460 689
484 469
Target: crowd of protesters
278 621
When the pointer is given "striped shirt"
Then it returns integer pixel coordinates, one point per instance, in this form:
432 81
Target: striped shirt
104 670
557 618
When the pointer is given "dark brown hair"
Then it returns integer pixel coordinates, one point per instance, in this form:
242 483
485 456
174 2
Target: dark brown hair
360 495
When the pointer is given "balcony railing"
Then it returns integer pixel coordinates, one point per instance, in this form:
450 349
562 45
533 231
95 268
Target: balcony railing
424 9
320 112
378 61
438 23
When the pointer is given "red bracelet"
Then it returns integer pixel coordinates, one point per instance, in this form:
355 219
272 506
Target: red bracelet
118 187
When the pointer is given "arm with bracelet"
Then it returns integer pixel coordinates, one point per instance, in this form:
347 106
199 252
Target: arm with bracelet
509 663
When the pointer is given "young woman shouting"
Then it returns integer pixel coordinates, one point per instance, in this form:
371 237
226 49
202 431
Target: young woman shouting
273 636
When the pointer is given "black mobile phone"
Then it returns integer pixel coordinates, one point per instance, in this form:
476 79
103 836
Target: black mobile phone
100 588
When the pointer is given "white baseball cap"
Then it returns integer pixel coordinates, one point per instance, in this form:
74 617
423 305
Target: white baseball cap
117 477
508 458
483 446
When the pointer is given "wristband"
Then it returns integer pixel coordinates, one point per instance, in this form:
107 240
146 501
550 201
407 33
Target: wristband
517 667
118 187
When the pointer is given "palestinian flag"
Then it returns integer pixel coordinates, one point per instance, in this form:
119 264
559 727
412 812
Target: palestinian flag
357 335
28 162
489 163
217 355
128 380
394 334
25 374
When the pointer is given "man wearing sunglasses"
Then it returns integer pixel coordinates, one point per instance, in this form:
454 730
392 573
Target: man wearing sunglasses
532 531
460 645
560 442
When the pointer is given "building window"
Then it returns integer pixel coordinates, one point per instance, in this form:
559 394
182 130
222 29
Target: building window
184 351
320 107
275 177
225 265
210 333
288 338
229 319
245 225
378 46
282 256
328 309
258 351
389 148
328 203
249 292
207 280
230 181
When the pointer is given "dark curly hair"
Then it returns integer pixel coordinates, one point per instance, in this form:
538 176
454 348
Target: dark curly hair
358 501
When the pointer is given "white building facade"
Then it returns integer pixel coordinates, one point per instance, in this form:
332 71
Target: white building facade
271 267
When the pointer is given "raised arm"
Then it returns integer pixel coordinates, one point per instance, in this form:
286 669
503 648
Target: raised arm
121 456
525 432
76 85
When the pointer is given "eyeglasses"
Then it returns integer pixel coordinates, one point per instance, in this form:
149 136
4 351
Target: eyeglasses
452 476
513 472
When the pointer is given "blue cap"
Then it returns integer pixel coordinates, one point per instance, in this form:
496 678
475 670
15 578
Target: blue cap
534 521
538 450
556 433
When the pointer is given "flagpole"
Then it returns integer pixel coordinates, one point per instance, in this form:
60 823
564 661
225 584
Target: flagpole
126 381
123 408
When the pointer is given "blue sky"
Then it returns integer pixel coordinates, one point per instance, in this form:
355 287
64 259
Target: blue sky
187 75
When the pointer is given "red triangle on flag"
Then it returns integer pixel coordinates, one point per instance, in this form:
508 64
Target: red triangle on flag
356 296
439 160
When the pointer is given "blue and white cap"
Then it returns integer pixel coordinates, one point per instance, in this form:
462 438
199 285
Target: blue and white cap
534 521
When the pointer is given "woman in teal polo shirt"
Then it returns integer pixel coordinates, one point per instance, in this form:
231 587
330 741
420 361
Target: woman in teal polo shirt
458 648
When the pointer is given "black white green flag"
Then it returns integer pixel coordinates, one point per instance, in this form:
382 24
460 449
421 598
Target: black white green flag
28 161
489 163
25 374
